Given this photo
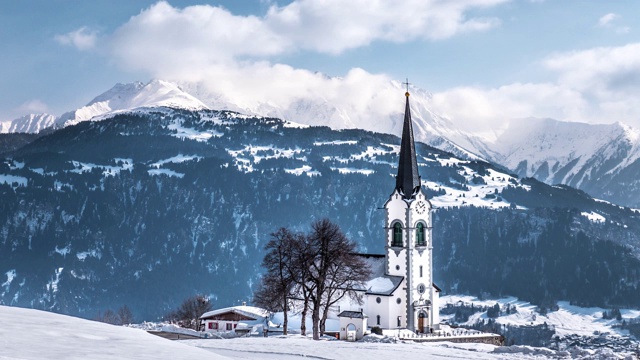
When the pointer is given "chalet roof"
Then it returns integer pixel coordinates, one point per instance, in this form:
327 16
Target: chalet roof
408 179
248 311
352 314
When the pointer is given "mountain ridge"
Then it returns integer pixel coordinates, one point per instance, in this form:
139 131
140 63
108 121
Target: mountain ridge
600 159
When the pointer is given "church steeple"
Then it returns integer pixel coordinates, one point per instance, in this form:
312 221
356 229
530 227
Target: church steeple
408 179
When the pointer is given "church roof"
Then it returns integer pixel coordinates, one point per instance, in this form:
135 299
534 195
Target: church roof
384 285
408 179
379 282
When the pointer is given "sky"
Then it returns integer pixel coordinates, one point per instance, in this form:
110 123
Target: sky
484 61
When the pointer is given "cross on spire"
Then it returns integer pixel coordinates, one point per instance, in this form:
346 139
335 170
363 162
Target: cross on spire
407 83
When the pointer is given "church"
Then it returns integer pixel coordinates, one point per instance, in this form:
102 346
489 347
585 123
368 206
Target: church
401 292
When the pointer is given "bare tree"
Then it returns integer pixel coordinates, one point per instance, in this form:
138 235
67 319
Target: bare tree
321 268
125 317
109 317
303 256
189 312
335 271
276 289
346 275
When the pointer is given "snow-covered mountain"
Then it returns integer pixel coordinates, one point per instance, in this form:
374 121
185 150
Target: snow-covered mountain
564 152
32 123
430 127
131 96
317 110
600 159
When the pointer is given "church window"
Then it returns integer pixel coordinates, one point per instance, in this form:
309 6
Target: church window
420 240
397 267
378 300
399 322
420 270
378 320
397 234
398 300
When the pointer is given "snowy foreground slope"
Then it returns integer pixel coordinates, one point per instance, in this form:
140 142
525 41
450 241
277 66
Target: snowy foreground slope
33 334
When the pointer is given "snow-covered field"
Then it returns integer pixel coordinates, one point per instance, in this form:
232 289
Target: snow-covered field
34 334
568 319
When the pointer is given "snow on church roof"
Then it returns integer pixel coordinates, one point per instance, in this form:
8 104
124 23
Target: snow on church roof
379 283
383 285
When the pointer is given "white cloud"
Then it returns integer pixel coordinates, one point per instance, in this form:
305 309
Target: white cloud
333 26
607 20
598 85
164 39
232 55
603 72
229 54
34 106
480 109
82 38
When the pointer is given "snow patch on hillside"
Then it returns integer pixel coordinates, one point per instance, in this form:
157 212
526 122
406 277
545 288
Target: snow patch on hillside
107 170
343 170
191 134
180 158
167 172
305 169
594 217
13 180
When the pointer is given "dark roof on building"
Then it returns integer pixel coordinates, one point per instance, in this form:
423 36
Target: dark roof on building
352 314
408 179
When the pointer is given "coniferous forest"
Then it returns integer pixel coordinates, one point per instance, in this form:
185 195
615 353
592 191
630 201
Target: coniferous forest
136 210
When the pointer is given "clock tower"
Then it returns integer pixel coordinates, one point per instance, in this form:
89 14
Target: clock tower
409 246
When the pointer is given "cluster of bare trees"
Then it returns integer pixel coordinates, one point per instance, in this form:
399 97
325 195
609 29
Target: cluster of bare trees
123 316
188 314
314 270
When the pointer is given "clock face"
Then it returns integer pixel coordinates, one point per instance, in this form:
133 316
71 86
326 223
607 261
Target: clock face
421 207
421 289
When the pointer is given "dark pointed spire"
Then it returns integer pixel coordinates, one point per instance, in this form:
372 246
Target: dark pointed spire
408 179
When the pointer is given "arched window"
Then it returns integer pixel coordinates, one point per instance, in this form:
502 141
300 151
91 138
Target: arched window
378 320
420 240
397 234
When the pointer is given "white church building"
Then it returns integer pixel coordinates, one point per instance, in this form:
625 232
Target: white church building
401 292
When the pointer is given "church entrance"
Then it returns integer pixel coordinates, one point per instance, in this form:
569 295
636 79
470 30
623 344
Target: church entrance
422 317
351 332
